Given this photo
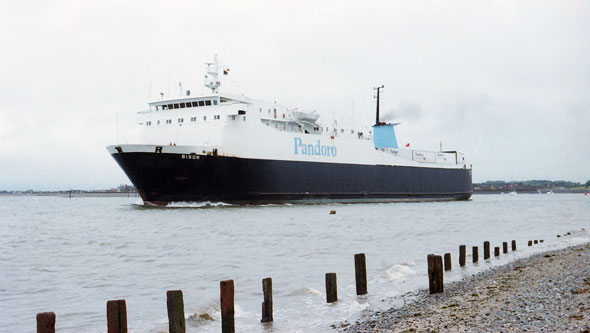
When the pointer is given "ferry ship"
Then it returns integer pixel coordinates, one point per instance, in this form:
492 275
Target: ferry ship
231 148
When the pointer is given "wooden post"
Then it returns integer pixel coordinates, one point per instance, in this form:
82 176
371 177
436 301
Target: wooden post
475 254
46 322
513 245
530 243
267 304
360 273
536 241
461 255
505 247
447 261
331 288
435 274
117 316
486 250
226 297
497 251
175 305
541 241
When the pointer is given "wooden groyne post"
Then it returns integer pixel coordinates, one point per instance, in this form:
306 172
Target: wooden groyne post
360 273
175 305
331 288
435 274
530 243
226 297
536 241
513 245
475 254
461 255
267 303
117 316
486 250
505 247
496 251
447 261
46 322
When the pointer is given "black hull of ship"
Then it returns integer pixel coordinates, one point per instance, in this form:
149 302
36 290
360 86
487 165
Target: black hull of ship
161 178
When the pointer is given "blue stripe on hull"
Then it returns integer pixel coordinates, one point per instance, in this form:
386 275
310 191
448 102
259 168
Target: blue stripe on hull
162 178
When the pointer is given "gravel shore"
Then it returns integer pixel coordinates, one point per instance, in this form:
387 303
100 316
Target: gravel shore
545 292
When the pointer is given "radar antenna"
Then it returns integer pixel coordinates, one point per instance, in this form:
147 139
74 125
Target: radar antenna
212 79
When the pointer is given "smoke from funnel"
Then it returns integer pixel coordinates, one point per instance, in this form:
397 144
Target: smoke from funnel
405 110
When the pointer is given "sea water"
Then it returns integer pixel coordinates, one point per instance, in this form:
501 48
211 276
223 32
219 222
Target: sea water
70 256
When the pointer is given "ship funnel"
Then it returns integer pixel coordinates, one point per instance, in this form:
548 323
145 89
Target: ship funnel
384 136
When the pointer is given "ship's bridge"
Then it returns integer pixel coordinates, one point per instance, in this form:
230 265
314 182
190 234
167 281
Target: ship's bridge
194 102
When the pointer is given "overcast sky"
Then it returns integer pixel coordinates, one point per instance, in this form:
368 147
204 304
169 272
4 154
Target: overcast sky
505 82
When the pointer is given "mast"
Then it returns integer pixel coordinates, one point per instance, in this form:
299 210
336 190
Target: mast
377 122
211 78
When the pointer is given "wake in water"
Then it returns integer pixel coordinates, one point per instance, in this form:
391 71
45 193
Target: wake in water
202 204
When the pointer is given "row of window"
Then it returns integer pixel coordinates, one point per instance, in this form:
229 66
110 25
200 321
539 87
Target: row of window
193 119
183 105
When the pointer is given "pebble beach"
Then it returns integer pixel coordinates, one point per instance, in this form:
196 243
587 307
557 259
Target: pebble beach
547 292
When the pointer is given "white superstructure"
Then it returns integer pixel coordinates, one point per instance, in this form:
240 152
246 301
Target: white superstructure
238 126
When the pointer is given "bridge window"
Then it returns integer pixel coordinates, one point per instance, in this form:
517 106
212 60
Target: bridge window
176 106
207 102
182 105
214 102
181 120
170 106
201 103
168 121
193 119
195 104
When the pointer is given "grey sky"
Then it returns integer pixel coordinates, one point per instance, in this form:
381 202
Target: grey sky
506 82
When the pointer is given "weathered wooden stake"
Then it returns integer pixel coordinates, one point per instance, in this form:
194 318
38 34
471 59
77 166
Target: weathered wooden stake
541 241
226 297
505 247
536 241
360 273
475 254
175 305
435 274
447 261
267 304
46 322
496 251
530 243
513 245
331 288
461 255
486 250
117 316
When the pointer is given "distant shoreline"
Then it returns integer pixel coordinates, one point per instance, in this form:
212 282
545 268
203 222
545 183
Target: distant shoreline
74 194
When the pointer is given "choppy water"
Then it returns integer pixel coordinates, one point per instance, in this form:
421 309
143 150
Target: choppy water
71 256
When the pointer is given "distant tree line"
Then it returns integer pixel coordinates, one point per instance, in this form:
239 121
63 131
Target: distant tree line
529 185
